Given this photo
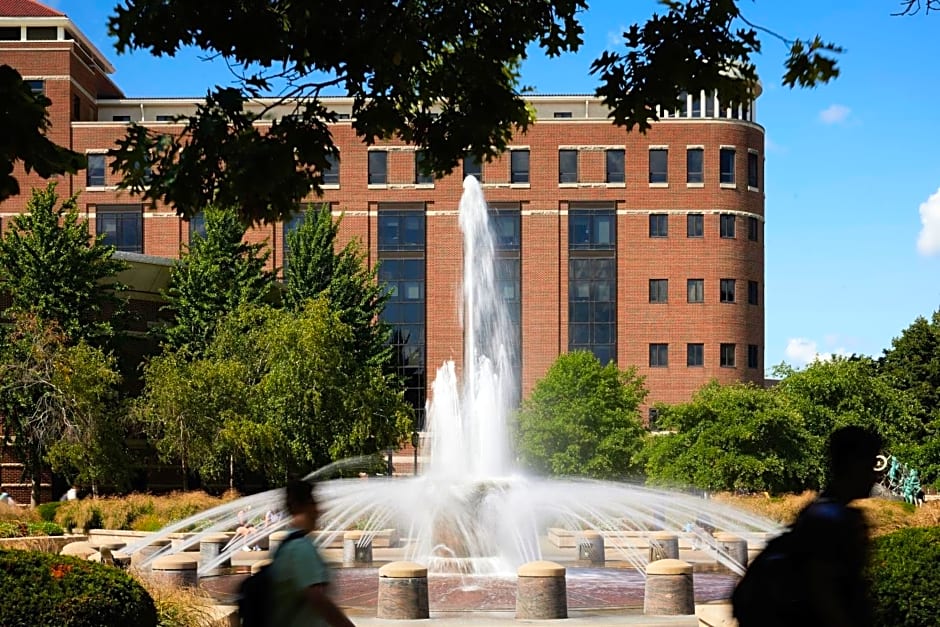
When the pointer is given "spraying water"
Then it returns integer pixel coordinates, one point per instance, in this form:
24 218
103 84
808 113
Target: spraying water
470 511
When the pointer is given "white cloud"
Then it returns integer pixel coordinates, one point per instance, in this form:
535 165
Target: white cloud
928 241
800 351
835 114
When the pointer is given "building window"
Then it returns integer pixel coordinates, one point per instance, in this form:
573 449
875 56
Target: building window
331 173
401 230
727 290
518 166
507 224
727 355
592 229
659 355
659 290
561 114
695 165
695 225
197 226
165 118
696 290
653 418
42 33
76 109
121 226
95 174
37 87
726 223
592 283
659 165
422 177
402 271
752 293
472 166
120 118
726 163
752 356
752 170
506 228
659 225
567 166
615 166
378 167
753 228
9 33
694 355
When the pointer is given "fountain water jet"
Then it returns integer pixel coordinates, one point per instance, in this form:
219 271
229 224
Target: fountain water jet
470 511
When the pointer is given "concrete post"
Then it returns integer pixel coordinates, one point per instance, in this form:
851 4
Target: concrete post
541 592
357 548
144 554
403 591
591 547
275 540
734 546
664 545
81 550
210 547
177 570
669 589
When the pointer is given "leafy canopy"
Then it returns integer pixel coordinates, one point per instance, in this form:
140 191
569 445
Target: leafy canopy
50 266
443 76
582 419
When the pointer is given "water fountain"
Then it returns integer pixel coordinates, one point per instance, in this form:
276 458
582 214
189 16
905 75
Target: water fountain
470 511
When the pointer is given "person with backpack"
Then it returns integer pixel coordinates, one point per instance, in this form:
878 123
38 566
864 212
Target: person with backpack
298 575
812 575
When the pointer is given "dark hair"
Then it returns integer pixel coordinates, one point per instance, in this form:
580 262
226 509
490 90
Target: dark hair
298 494
852 444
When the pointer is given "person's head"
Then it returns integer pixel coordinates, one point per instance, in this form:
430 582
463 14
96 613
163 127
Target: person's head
852 452
300 500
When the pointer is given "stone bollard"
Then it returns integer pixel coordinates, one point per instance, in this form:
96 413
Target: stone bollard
403 591
210 547
275 540
141 556
735 547
357 548
591 547
669 590
541 592
177 570
81 550
257 566
664 546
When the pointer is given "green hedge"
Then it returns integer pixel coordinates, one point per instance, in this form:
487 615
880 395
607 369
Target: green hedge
46 589
21 528
47 510
904 576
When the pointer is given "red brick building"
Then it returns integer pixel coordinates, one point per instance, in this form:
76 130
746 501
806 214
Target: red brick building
647 249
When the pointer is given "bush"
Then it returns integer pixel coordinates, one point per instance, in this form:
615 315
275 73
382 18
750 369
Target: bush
47 511
44 529
21 528
904 576
12 529
180 607
140 512
44 589
82 514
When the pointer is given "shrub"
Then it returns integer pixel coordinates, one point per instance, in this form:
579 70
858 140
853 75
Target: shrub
12 529
83 514
44 589
148 522
904 575
180 607
44 529
47 511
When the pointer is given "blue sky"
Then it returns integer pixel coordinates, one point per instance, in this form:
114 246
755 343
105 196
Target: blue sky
852 174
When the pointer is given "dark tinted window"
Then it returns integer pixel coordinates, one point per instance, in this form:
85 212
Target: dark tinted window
659 165
695 355
567 166
519 166
695 225
659 225
615 166
695 165
95 175
378 167
727 165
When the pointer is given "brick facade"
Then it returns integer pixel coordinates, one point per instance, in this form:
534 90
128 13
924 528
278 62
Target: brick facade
544 205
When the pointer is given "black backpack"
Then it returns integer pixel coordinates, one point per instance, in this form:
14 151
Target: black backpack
772 590
254 594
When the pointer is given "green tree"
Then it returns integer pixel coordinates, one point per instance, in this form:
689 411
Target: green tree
24 118
441 76
213 277
55 395
849 391
188 408
583 419
315 268
733 437
52 267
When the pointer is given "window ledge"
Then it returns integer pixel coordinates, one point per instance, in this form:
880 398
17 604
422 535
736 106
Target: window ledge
330 186
424 185
659 185
695 185
728 185
378 186
568 185
101 188
753 189
615 185
520 186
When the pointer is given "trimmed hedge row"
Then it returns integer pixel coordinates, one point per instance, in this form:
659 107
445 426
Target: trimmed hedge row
46 589
904 576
